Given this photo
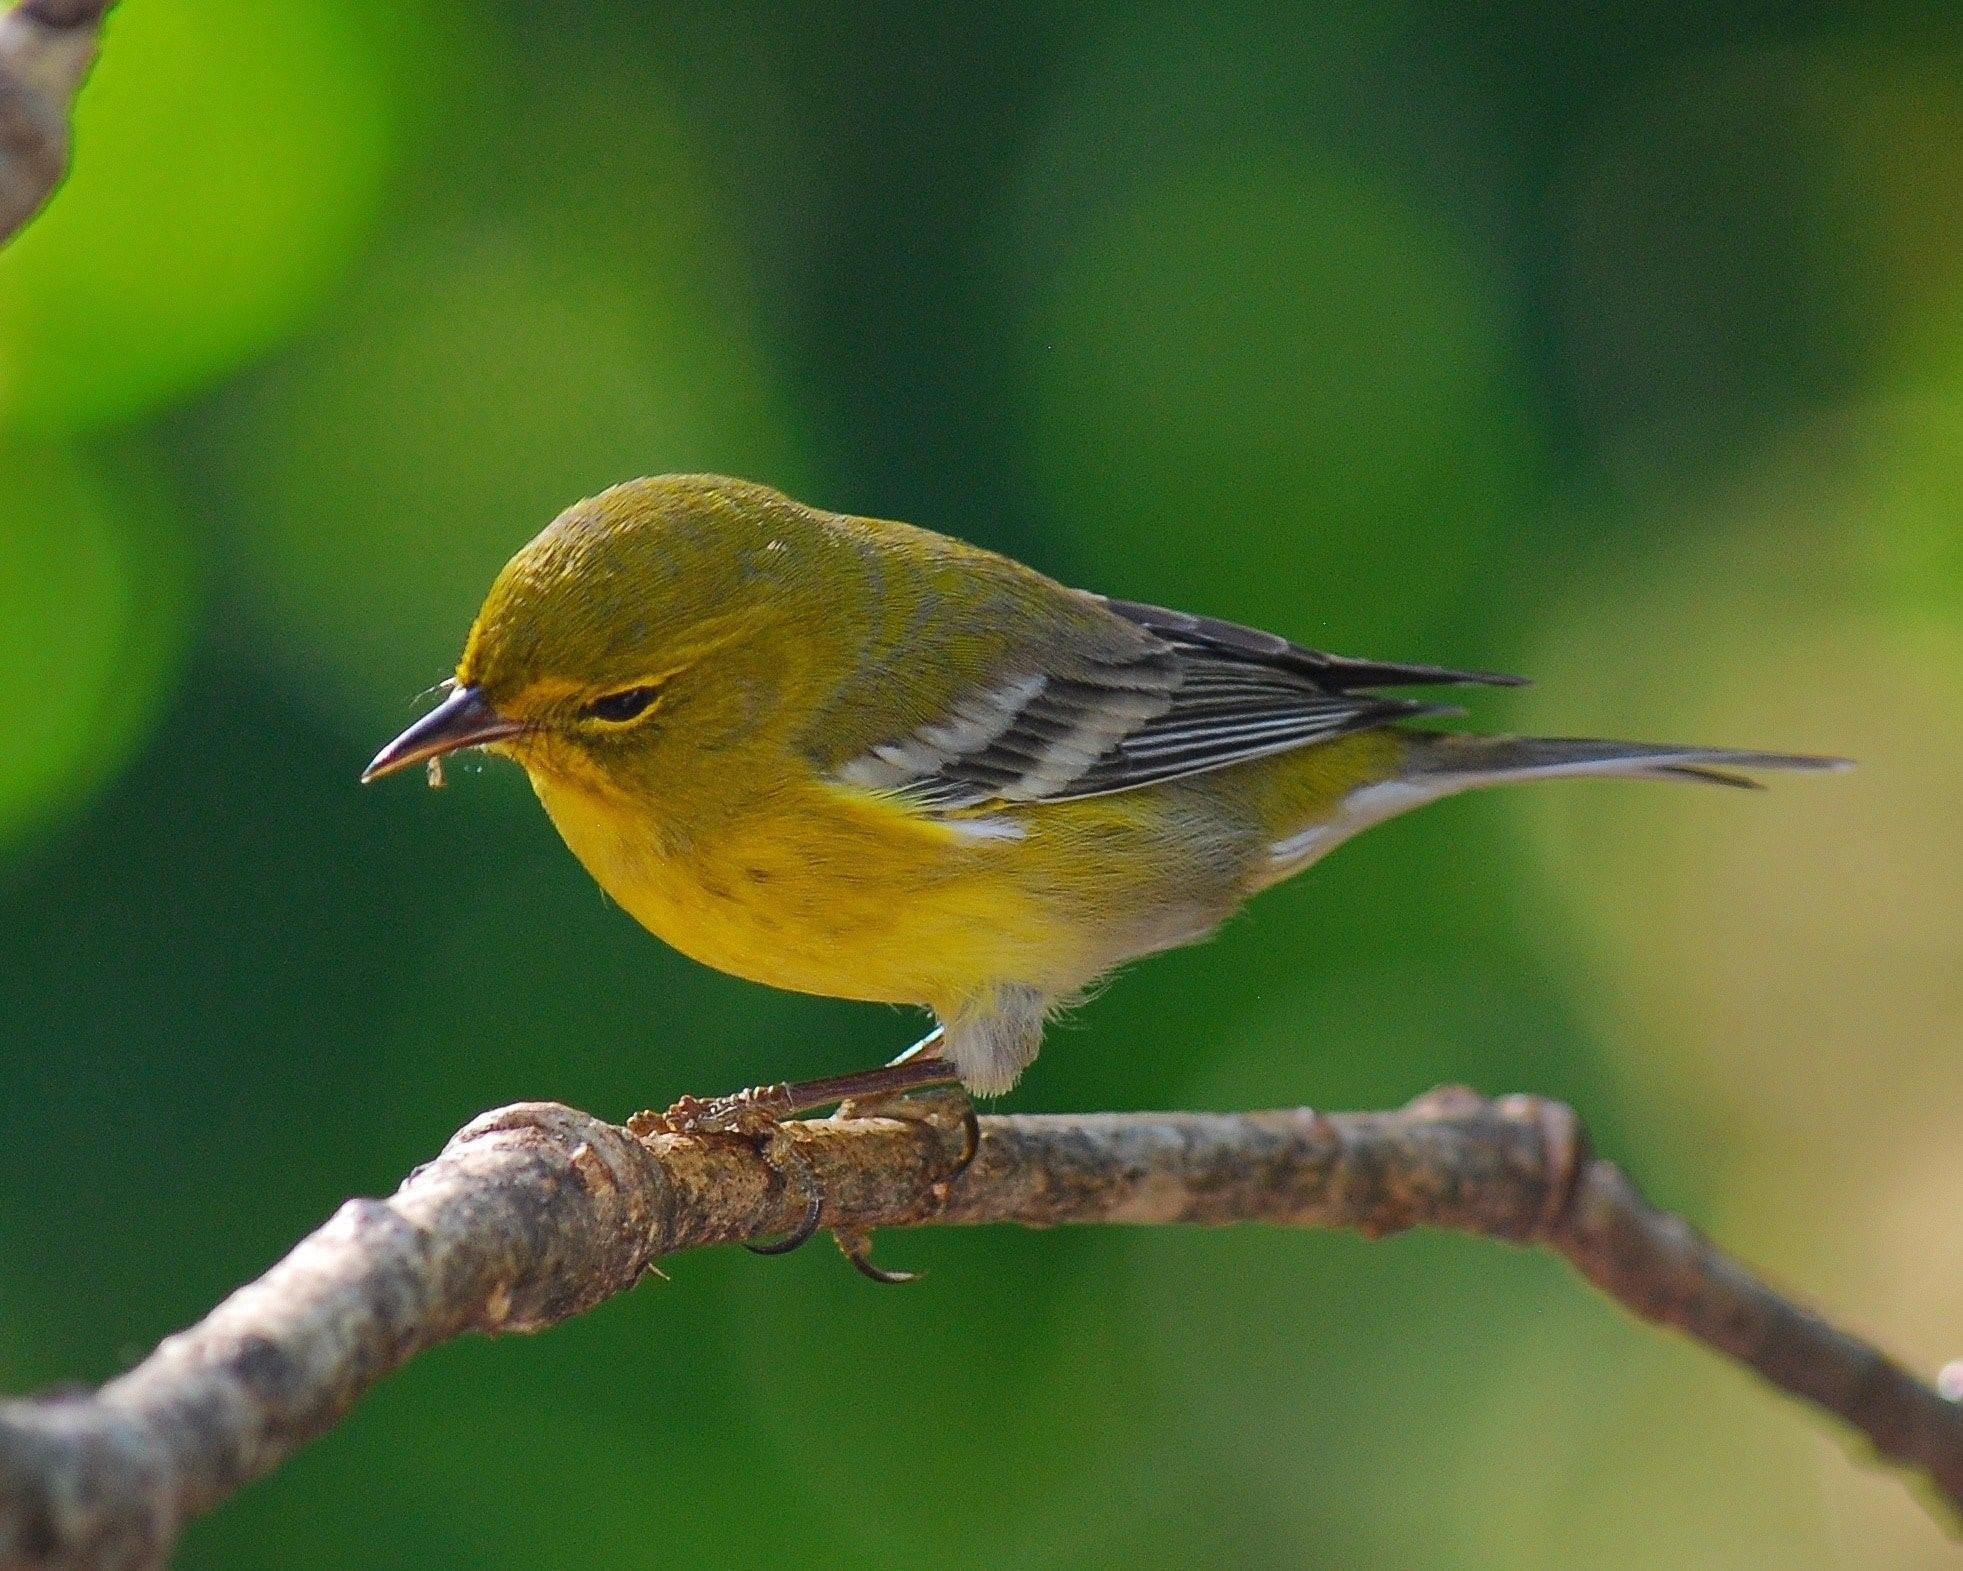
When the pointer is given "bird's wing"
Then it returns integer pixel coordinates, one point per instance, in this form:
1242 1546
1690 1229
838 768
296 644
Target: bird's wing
1131 696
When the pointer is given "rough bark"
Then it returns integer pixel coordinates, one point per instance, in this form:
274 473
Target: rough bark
536 1212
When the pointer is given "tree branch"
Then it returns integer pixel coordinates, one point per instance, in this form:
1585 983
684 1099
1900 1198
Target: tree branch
536 1212
46 49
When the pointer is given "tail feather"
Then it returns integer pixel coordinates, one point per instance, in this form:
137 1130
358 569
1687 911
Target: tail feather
1722 777
1460 761
1439 764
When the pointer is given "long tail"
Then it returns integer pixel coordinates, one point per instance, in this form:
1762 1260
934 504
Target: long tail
1435 764
1460 762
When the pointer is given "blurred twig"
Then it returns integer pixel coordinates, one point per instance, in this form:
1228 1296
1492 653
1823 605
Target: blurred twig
536 1212
46 49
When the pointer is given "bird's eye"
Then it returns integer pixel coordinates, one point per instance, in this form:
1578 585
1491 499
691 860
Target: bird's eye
630 703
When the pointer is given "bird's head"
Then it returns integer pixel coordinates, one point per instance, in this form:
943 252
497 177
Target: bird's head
639 623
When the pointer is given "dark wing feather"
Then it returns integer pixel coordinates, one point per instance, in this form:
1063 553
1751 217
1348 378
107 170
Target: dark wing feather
1338 671
1192 695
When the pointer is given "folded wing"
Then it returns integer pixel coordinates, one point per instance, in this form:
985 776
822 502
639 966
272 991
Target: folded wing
1176 695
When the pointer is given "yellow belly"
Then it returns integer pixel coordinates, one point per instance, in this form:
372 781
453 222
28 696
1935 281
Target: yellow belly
827 894
820 889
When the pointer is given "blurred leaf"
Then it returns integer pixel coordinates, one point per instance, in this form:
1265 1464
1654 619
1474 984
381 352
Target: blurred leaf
1264 386
1911 456
1013 1346
1328 1374
229 157
1586 1419
95 609
1760 232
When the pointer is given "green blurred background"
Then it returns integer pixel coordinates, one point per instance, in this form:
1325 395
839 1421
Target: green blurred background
1620 344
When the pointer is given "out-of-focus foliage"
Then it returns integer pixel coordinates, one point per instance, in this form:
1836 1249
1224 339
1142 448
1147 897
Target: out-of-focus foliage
1347 364
229 162
1624 348
93 625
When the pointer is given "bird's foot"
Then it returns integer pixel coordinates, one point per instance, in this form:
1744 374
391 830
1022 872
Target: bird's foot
757 1115
928 1110
743 1112
747 1110
882 1095
923 1110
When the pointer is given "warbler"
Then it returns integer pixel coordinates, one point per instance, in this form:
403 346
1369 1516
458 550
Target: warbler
853 757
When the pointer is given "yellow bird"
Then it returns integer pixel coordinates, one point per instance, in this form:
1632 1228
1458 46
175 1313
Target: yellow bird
853 757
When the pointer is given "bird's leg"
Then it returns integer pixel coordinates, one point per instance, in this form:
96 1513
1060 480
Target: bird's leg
929 1046
743 1111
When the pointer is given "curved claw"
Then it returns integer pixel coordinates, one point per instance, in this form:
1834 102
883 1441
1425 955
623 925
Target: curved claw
857 1248
799 1235
880 1274
784 1157
970 1141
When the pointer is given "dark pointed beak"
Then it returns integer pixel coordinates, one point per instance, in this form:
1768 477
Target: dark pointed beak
464 719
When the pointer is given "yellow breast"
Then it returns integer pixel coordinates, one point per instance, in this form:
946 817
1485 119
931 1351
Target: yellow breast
823 889
819 891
